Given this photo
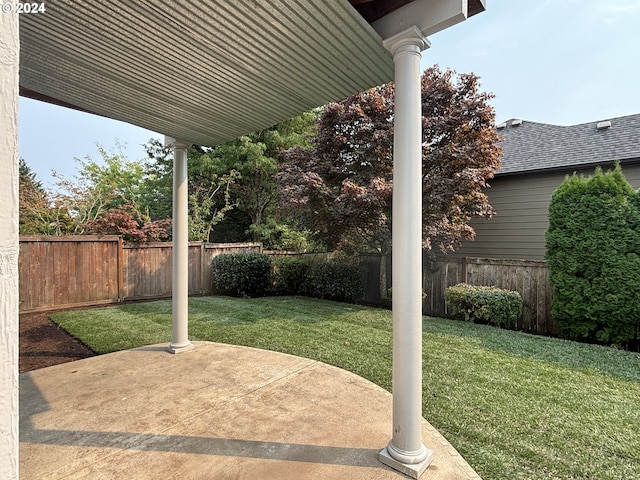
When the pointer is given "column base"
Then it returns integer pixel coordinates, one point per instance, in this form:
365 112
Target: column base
413 470
180 347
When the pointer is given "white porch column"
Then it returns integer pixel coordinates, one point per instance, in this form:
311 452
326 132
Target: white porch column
9 246
180 286
405 451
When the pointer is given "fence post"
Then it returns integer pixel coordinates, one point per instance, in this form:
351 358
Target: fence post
464 270
202 267
120 267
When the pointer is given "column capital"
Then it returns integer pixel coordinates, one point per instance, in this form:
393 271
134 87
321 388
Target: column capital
177 144
410 39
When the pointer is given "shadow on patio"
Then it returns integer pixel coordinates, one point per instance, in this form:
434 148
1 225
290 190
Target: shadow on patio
219 411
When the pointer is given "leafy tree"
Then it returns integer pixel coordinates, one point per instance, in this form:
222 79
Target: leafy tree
593 254
281 236
121 221
96 189
35 212
156 190
254 191
341 186
254 156
204 211
460 153
209 189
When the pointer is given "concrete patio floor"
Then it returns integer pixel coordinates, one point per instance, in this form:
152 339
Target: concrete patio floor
216 412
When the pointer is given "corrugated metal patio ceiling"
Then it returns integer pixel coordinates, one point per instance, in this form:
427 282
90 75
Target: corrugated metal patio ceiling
197 70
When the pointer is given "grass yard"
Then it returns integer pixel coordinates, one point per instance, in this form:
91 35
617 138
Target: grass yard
516 406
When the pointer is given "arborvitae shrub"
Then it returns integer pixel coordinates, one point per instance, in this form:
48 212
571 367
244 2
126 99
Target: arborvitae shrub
593 254
242 274
480 304
291 275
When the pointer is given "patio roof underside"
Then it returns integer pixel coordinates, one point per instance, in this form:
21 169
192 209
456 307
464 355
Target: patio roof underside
203 71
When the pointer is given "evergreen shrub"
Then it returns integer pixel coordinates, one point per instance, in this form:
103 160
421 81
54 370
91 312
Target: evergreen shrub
291 274
242 274
480 304
593 255
343 281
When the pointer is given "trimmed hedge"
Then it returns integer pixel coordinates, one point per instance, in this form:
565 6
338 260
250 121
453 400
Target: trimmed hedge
291 274
242 274
479 304
339 281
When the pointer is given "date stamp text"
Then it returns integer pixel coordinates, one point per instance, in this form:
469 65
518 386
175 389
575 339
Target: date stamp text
23 7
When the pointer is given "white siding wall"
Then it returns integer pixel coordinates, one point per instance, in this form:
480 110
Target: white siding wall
9 46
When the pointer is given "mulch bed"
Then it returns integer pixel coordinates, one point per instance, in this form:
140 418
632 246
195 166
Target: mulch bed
43 343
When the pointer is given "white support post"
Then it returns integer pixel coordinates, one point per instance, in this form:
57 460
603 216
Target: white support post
406 452
180 278
9 245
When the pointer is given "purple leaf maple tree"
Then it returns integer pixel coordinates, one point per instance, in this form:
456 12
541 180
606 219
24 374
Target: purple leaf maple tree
341 186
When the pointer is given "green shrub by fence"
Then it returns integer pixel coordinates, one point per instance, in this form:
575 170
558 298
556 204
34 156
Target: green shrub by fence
52 269
338 280
242 274
291 275
481 304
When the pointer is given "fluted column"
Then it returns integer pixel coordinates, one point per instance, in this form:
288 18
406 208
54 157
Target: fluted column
180 278
405 451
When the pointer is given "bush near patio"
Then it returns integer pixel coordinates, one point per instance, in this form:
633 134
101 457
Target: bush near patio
242 274
291 275
341 279
480 304
253 274
593 254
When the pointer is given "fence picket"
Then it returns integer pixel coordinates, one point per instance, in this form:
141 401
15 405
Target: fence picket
84 270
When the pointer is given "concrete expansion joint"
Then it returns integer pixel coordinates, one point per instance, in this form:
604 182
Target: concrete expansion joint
312 363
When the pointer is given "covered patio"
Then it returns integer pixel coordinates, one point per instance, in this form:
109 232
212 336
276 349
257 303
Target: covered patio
220 412
205 72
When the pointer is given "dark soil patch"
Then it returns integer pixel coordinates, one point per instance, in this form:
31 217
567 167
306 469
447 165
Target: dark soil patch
43 343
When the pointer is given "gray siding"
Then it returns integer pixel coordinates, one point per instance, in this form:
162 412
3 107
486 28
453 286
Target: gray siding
521 203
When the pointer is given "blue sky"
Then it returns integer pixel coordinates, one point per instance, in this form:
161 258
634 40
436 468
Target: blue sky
552 61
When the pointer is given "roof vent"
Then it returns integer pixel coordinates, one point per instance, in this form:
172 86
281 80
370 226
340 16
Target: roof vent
515 122
501 125
603 125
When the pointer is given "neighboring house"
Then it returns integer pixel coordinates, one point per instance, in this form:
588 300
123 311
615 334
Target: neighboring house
536 158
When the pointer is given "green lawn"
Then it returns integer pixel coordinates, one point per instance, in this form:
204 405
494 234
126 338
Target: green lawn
516 406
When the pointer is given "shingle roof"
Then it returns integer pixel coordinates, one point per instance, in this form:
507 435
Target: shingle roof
531 146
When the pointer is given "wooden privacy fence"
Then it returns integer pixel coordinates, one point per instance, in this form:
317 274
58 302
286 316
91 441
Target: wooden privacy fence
147 268
530 278
65 272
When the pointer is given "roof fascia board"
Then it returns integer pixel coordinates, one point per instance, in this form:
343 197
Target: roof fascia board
568 168
430 16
